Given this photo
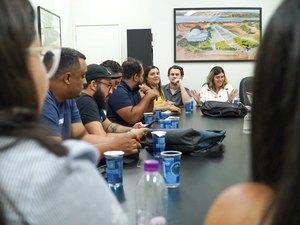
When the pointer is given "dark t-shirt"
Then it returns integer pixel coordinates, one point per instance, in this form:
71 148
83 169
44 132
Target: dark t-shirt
88 109
123 97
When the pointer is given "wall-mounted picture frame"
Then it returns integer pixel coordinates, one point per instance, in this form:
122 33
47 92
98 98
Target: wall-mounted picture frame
49 27
216 34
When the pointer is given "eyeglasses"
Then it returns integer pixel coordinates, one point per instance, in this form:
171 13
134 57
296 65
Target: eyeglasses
109 85
50 56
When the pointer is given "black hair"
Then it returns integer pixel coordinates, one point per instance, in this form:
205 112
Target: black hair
177 68
146 74
69 60
131 67
113 66
275 156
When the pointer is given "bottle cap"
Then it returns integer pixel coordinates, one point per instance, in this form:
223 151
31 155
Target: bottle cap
151 165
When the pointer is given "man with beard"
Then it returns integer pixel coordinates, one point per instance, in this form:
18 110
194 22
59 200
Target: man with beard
60 114
91 104
175 91
125 105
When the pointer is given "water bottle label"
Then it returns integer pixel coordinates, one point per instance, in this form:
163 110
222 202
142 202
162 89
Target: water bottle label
114 172
175 168
171 168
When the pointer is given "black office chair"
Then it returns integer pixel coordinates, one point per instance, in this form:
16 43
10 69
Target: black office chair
246 90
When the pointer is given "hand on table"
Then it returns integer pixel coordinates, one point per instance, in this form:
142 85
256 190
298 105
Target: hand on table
139 133
138 125
127 143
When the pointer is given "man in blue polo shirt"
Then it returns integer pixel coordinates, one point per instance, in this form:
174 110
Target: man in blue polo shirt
125 104
60 111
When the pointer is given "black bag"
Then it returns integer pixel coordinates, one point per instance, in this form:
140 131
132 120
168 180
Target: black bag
223 109
188 140
184 140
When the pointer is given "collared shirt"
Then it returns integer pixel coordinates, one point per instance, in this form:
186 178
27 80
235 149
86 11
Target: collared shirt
123 97
208 94
176 97
58 117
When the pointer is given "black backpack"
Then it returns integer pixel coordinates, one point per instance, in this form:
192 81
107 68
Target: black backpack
206 143
223 109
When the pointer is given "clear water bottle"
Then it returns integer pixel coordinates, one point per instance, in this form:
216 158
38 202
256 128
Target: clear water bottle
151 196
247 124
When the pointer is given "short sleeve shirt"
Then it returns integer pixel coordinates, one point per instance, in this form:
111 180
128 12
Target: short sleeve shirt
208 94
89 110
176 97
58 117
123 97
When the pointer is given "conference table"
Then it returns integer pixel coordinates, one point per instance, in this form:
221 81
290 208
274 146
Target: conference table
201 179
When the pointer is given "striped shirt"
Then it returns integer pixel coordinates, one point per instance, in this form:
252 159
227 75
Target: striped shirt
38 187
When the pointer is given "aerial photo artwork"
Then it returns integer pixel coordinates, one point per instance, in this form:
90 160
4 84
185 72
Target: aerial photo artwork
217 34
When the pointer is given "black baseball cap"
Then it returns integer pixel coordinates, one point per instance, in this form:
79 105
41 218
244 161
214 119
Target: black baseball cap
95 72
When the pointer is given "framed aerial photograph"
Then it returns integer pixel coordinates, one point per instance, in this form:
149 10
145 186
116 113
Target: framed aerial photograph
49 27
216 34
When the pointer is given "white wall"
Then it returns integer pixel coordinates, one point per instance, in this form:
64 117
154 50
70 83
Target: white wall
157 15
195 73
62 9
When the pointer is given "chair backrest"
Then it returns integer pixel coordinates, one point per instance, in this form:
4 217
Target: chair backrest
246 90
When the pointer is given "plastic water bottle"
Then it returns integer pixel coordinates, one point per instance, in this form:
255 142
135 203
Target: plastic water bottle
247 124
151 196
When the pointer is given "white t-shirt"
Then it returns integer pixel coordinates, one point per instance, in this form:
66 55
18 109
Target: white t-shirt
208 94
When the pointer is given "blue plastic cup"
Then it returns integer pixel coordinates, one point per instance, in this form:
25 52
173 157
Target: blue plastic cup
165 123
174 121
161 124
159 142
171 168
168 123
148 117
114 168
165 115
188 106
158 114
192 105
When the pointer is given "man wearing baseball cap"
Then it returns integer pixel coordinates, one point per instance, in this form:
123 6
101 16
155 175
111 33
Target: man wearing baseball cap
92 101
115 68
